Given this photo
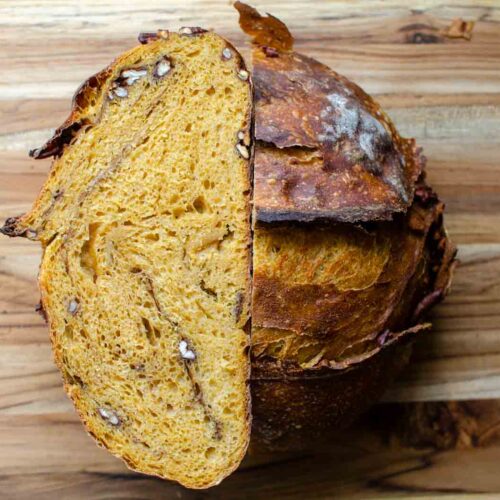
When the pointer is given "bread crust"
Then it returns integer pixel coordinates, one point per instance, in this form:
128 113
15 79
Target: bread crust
329 162
295 410
344 324
362 170
295 407
77 117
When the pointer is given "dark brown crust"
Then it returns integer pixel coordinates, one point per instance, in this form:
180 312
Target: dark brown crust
298 411
67 131
326 152
146 37
348 324
267 31
10 227
363 170
41 311
296 408
195 30
13 228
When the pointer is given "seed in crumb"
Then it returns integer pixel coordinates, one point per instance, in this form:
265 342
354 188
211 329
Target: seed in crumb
243 151
185 352
121 92
227 54
271 181
244 138
163 67
73 307
31 234
132 75
109 415
243 74
185 31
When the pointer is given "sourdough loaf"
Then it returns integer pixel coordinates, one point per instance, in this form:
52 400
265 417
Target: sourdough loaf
145 227
349 245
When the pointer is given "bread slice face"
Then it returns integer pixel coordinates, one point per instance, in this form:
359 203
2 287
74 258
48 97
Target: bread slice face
145 277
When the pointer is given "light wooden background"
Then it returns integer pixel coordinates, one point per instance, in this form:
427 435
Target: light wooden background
446 93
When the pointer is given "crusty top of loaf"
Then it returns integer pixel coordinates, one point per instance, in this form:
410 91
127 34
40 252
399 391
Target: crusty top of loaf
344 159
333 296
356 251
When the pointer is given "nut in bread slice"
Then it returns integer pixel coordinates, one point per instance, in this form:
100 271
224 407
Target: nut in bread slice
145 225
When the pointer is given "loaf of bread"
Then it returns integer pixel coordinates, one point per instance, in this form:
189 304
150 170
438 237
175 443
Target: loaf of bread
145 277
149 261
349 245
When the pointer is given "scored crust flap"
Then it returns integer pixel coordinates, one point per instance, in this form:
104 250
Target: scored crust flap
82 105
331 295
325 148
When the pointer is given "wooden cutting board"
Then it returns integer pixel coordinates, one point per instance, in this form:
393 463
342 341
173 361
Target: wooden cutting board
445 92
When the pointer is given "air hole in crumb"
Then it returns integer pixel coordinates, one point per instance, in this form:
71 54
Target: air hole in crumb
88 260
150 331
172 386
210 453
68 333
177 212
210 91
153 237
200 205
188 127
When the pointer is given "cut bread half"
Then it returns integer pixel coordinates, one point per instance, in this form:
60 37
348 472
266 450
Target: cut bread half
145 278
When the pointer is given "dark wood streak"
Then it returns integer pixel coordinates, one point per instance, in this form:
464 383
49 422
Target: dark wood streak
424 38
382 483
30 325
27 375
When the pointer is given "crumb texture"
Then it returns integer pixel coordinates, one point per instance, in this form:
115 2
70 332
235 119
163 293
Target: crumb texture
145 275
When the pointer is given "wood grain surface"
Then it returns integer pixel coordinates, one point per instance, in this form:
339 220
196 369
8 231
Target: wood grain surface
445 92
